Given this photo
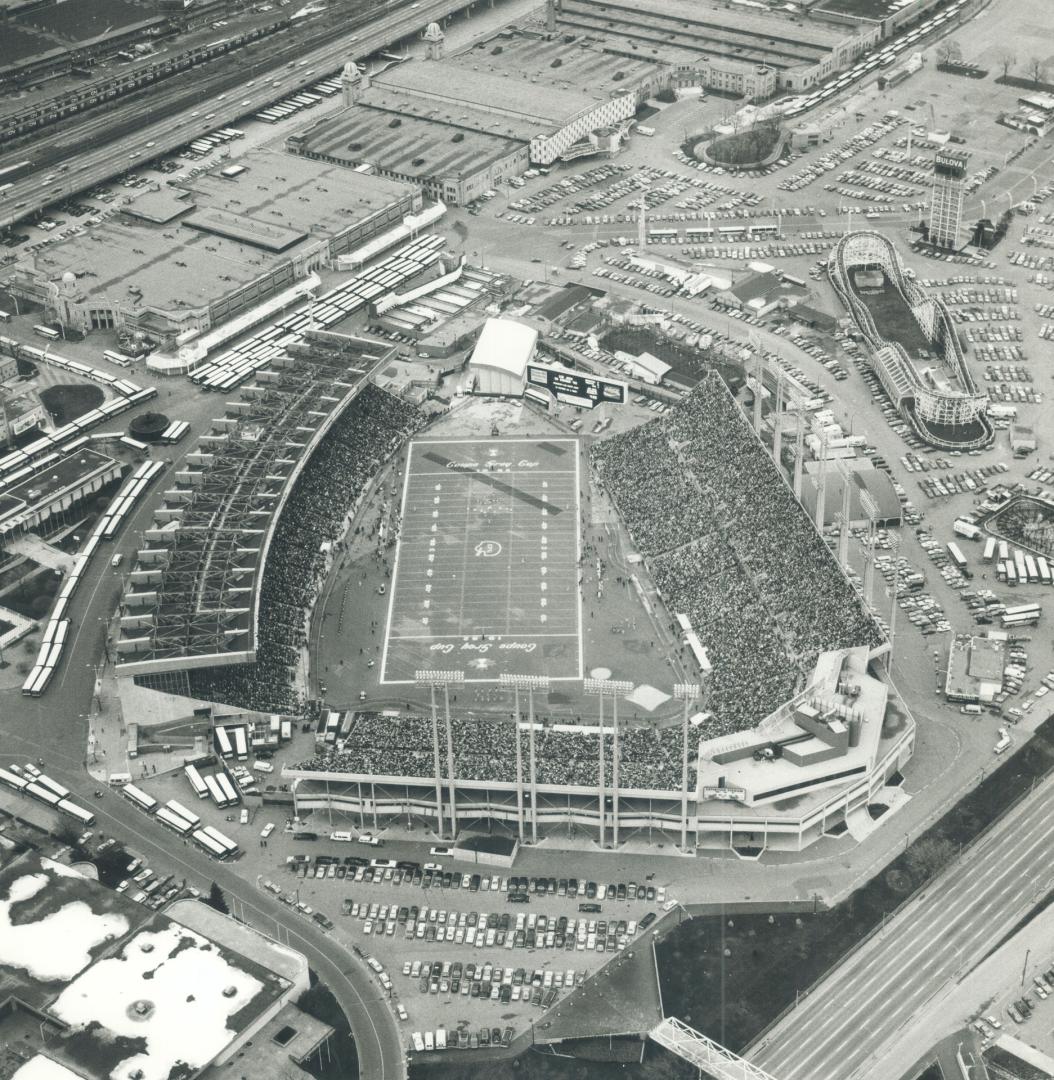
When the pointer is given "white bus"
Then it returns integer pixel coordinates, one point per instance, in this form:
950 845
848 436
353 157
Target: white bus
957 556
989 549
241 749
204 841
46 332
1044 570
223 742
228 846
146 803
227 788
1031 569
54 785
10 780
84 817
219 796
42 794
1019 566
178 808
195 781
117 358
173 821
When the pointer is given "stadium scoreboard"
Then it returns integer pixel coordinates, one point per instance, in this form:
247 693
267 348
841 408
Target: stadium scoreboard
575 387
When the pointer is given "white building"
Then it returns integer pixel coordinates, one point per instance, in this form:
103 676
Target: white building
499 361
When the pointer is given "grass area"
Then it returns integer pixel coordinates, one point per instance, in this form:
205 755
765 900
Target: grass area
894 319
745 148
67 401
730 977
34 596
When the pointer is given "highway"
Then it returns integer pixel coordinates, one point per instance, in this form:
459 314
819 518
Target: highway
112 141
840 1030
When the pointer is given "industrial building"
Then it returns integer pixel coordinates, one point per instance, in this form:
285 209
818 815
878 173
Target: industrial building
181 259
752 51
975 668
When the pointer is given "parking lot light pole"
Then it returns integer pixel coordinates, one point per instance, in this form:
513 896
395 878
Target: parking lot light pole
434 680
530 683
689 694
617 689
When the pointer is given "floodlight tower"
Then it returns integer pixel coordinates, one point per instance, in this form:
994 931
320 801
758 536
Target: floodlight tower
777 423
870 508
821 485
642 224
616 688
758 384
894 543
844 516
530 683
441 680
799 450
689 694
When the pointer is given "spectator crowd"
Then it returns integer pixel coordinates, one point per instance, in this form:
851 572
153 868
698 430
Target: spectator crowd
485 750
731 548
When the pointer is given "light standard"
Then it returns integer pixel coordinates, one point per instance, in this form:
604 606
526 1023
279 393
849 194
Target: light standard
617 689
434 679
530 683
689 694
894 543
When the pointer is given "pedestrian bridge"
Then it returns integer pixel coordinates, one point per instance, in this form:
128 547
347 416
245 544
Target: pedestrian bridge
704 1053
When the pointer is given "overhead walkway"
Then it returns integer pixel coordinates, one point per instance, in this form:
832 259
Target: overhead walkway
704 1053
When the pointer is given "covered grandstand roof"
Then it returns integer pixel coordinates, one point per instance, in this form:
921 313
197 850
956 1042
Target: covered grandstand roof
874 481
505 345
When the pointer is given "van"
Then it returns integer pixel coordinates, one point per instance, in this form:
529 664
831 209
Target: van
341 837
119 779
263 766
970 710
117 560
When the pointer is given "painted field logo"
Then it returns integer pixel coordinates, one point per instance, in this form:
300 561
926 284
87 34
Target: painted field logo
488 548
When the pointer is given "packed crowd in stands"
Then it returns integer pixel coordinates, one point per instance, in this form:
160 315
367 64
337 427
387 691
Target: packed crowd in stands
484 750
730 547
339 470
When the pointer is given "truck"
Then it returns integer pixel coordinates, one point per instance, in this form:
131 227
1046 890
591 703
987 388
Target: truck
965 528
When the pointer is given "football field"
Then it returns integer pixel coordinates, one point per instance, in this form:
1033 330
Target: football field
486 567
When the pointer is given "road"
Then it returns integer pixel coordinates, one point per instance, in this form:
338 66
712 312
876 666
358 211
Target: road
100 161
377 1038
841 1029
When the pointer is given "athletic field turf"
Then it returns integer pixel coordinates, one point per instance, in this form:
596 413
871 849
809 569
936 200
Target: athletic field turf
486 568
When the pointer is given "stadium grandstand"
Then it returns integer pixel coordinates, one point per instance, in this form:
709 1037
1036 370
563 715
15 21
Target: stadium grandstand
795 701
912 344
193 597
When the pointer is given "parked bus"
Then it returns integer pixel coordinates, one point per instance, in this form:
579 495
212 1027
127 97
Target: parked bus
84 818
42 794
120 359
964 528
332 726
10 780
1044 570
178 808
218 795
54 785
989 549
1019 566
171 820
241 749
223 742
227 788
195 781
146 803
957 556
1031 569
207 844
223 844
46 332
5 316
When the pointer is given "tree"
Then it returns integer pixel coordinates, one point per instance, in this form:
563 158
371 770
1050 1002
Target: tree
217 900
926 858
1006 60
1037 68
948 52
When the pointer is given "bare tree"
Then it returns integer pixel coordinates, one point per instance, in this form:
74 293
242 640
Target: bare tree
1006 60
1037 68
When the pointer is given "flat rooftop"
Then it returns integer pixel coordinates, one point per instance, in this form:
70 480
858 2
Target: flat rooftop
236 229
419 147
582 65
539 102
57 477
